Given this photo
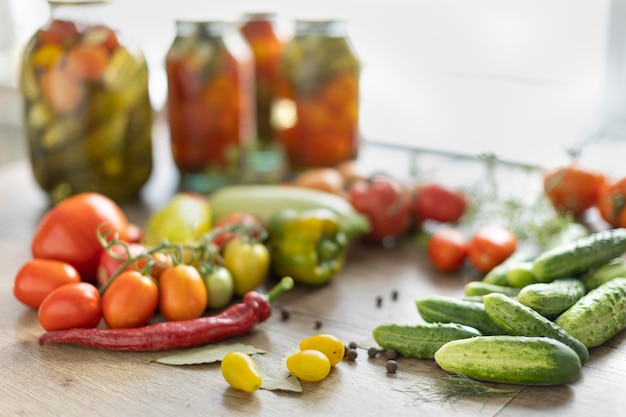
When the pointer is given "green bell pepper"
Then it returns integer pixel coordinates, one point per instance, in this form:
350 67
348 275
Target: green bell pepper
308 245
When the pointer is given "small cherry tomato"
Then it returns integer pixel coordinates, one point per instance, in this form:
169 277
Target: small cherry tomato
573 189
612 202
385 202
75 305
130 300
235 219
248 263
38 277
447 249
329 345
220 286
309 365
434 201
490 246
241 372
183 294
113 259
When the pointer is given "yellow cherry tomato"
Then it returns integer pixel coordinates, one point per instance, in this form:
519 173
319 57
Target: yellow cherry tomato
328 344
248 263
241 372
309 365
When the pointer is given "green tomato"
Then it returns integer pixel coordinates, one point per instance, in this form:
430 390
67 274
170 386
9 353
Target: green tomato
220 287
184 219
248 263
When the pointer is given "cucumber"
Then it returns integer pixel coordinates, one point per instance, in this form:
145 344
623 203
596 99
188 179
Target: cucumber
474 288
580 255
263 201
520 275
552 298
511 360
497 275
518 320
598 315
614 269
442 309
422 340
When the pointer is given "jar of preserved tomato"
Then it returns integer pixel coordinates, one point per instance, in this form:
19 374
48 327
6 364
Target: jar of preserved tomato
87 111
210 104
317 113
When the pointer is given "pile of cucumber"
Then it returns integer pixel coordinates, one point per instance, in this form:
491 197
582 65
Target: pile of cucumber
537 330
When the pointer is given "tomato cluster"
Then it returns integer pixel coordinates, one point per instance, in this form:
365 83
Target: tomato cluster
86 269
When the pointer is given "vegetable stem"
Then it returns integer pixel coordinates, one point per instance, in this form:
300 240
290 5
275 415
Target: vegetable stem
285 284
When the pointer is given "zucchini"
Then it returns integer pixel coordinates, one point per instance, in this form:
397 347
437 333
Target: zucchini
518 320
422 340
442 309
614 269
552 298
480 288
598 315
263 201
511 360
580 255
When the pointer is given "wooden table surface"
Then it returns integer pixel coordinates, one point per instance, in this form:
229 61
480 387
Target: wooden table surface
65 380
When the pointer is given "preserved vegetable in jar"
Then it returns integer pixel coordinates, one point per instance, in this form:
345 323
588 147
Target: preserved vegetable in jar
87 111
210 104
317 113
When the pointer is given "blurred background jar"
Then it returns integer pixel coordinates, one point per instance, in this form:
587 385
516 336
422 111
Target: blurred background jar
210 104
317 112
87 111
267 44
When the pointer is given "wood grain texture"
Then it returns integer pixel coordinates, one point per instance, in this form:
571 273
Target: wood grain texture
63 380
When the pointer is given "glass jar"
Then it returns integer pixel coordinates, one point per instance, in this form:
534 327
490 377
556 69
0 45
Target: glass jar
87 111
210 104
317 113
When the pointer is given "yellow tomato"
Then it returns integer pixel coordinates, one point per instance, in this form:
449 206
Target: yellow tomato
240 371
248 263
309 365
328 344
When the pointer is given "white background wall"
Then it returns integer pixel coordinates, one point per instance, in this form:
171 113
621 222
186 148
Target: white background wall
523 79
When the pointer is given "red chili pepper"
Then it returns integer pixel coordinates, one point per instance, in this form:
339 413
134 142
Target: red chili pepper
236 320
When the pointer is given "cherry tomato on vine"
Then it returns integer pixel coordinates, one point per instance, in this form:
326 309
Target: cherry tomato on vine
38 277
130 300
75 305
69 231
183 294
447 249
434 201
248 263
490 246
235 219
113 259
573 189
612 202
220 286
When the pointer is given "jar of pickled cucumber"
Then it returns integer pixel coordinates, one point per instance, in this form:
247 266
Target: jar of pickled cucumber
317 112
210 104
87 111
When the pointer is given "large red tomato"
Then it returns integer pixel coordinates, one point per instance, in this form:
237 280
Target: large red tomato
612 202
69 231
573 189
447 249
434 201
386 203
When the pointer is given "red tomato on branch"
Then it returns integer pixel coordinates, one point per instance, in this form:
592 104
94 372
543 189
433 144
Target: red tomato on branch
113 259
434 201
447 249
69 231
490 246
130 300
386 203
573 189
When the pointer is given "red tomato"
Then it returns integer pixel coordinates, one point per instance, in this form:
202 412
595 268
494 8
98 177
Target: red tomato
235 219
134 233
58 31
130 300
612 202
68 231
447 249
490 246
113 259
38 277
434 201
573 189
385 202
183 293
70 306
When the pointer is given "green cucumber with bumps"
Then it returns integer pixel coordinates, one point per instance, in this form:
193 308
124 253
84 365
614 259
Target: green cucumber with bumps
444 309
511 360
480 288
421 340
614 269
580 255
598 315
552 298
518 320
